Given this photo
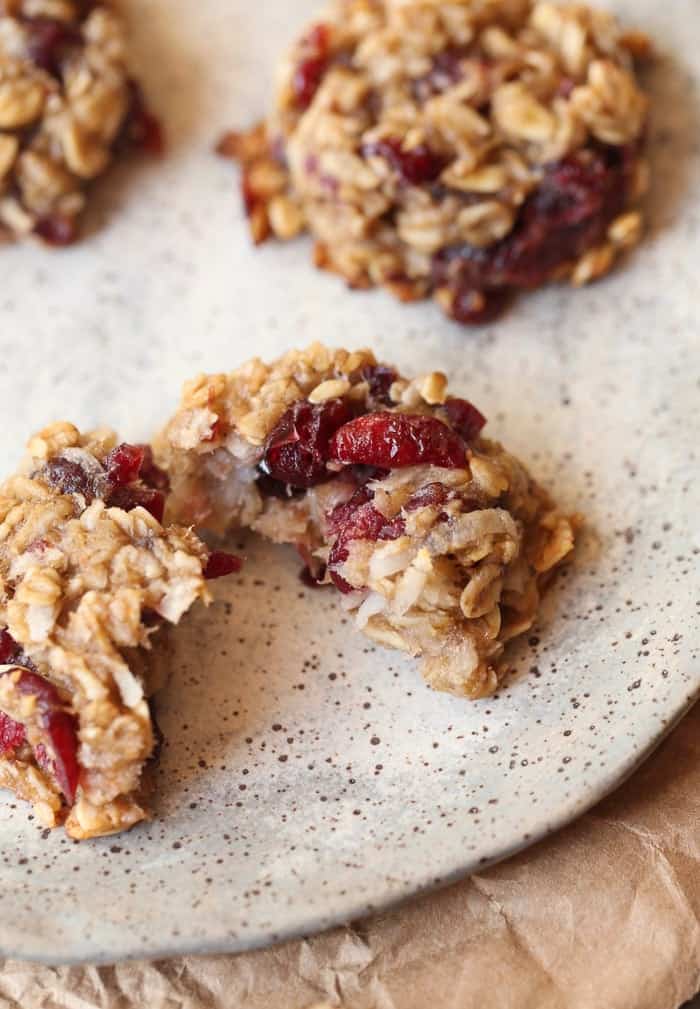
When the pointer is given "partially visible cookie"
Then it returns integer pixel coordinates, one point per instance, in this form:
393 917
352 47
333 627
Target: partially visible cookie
67 106
88 575
438 539
463 150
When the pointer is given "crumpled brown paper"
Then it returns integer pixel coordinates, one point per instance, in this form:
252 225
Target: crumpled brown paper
605 915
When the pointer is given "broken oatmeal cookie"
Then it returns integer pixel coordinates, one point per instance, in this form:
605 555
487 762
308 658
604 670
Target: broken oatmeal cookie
438 539
462 150
67 104
88 574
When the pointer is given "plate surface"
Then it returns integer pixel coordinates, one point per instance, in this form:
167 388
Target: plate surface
308 777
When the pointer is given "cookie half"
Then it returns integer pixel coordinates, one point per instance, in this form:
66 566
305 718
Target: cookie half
437 539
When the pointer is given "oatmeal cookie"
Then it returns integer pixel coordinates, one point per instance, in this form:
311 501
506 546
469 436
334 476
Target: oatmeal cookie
88 574
462 150
439 541
67 103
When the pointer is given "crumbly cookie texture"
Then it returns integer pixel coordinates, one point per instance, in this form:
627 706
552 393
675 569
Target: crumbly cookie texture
87 576
439 540
66 103
461 150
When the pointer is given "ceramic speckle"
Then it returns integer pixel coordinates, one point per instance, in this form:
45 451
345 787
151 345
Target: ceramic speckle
306 776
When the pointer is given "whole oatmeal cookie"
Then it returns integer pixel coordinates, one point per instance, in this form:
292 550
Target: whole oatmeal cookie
87 576
439 540
67 104
464 149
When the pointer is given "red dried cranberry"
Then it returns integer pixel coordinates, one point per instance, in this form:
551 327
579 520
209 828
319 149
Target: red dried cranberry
357 519
150 474
123 464
307 79
250 197
310 71
464 418
312 580
380 379
69 477
416 166
57 229
12 654
220 564
313 571
275 488
141 129
297 448
568 213
342 514
8 648
432 495
472 307
12 734
60 728
447 70
395 440
49 41
136 496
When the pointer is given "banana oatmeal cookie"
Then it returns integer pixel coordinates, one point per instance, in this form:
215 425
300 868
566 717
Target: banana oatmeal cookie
438 539
87 576
462 150
67 105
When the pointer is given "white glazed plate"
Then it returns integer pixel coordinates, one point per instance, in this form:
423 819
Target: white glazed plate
308 777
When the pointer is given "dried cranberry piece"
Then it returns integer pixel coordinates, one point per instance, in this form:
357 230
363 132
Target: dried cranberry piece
357 519
432 495
12 734
69 477
380 379
58 724
312 580
123 464
57 229
269 487
150 474
342 514
136 496
568 213
142 129
60 728
464 418
12 654
472 307
297 448
446 70
313 571
220 564
395 440
307 79
8 648
49 41
310 71
416 166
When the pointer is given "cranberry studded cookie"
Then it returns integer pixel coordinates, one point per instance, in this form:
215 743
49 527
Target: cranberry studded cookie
67 106
463 149
437 538
87 576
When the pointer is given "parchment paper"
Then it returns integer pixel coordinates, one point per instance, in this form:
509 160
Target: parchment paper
605 915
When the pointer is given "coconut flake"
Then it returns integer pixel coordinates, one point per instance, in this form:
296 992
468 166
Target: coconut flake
373 604
130 687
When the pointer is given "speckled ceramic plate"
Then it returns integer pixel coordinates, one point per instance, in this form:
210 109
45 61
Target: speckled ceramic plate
307 777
